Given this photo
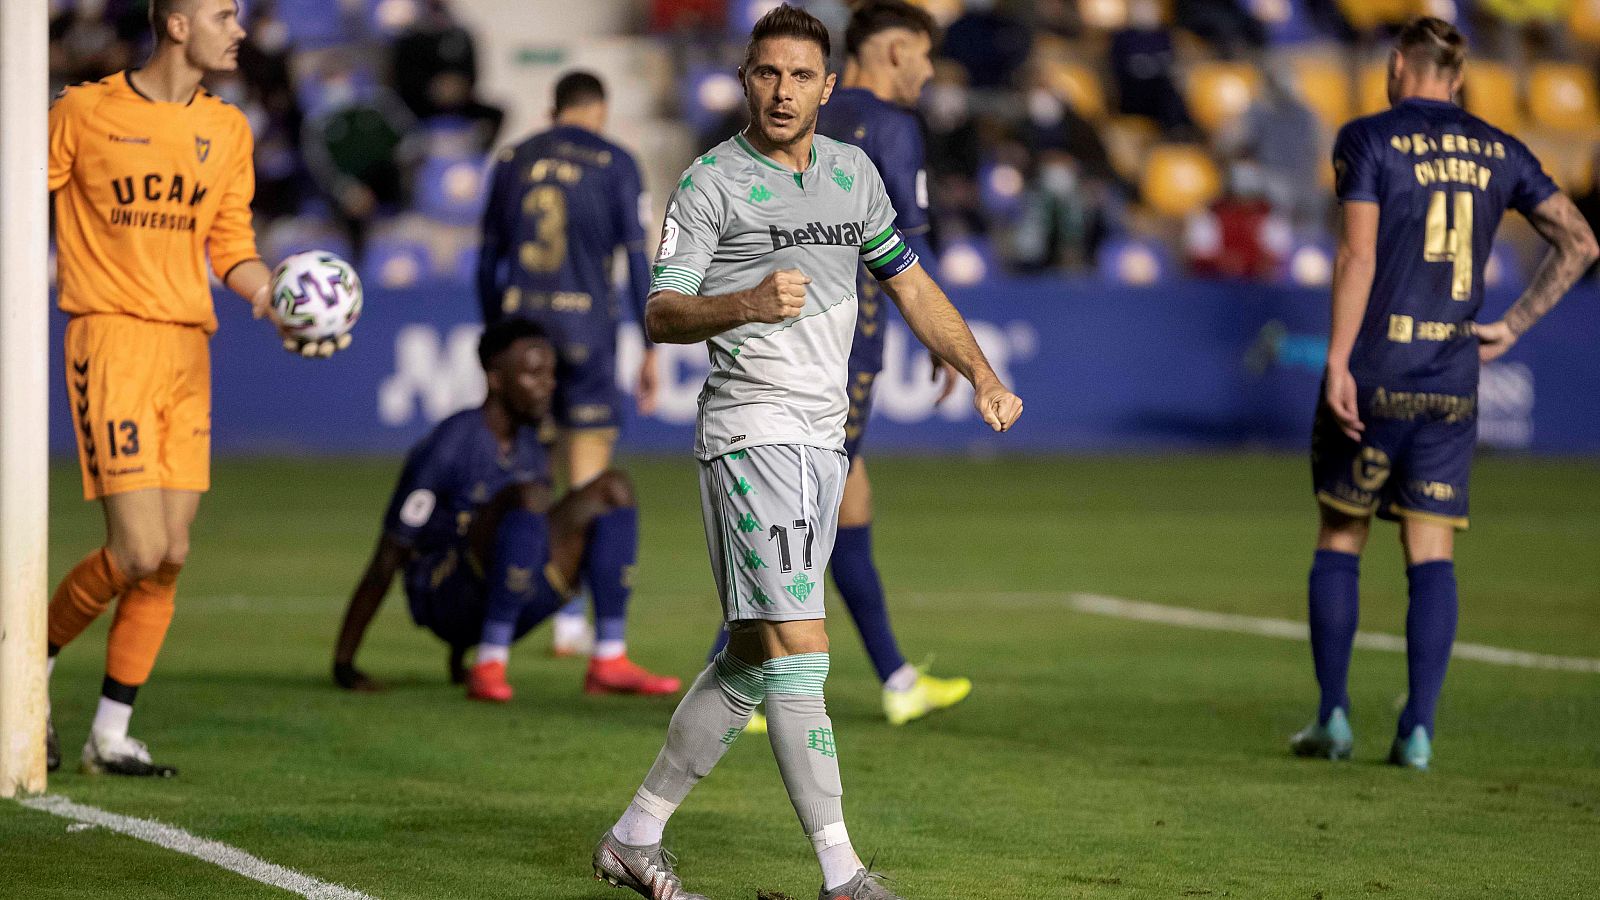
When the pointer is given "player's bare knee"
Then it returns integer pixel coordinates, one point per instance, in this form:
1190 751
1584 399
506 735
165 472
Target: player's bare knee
616 489
139 557
533 496
1342 533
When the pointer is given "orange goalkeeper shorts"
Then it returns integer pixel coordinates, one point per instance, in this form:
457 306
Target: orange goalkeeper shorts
141 398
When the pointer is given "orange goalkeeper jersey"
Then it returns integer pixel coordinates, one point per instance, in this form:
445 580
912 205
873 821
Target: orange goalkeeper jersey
144 192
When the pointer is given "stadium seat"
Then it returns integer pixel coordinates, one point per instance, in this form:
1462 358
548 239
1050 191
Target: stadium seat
313 24
1567 157
1103 15
450 189
1324 85
1372 88
1562 96
708 95
390 17
1000 190
1308 262
1583 22
1179 179
396 261
1368 15
1128 140
1134 260
1079 86
1490 93
1217 92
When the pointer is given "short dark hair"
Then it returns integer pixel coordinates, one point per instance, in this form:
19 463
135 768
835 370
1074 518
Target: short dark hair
876 16
499 337
788 21
1433 41
160 10
578 89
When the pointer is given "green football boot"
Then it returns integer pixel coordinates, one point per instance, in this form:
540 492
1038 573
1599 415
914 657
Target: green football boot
1413 752
1332 739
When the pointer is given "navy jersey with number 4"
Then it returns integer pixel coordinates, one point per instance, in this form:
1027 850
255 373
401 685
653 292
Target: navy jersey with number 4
560 203
452 472
891 136
1442 179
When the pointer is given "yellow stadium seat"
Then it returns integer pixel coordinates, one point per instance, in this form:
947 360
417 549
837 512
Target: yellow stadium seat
1079 86
1372 88
1583 22
1179 179
1567 157
1324 85
1562 96
1490 91
1217 92
1365 15
1128 140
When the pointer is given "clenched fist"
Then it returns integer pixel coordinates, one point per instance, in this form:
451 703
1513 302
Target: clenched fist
781 295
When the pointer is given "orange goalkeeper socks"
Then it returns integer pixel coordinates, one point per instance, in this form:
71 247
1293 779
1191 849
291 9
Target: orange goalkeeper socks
83 595
140 626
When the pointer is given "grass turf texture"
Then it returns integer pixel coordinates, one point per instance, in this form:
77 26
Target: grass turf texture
1096 758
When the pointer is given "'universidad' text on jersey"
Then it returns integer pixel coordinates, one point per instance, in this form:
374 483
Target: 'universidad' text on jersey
560 203
144 192
1442 179
891 136
737 216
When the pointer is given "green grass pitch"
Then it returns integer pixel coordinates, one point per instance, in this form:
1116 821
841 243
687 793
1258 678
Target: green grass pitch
1096 758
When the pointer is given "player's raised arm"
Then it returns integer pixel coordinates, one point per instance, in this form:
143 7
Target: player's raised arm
387 560
1572 251
675 318
1353 268
939 326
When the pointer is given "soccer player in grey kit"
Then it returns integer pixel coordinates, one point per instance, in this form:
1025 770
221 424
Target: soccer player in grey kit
758 259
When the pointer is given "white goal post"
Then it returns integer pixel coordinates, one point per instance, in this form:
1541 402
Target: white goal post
24 391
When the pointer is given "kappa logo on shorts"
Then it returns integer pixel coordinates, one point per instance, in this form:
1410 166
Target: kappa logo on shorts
761 598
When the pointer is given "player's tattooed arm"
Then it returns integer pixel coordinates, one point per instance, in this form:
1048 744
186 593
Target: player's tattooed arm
1573 250
674 318
939 326
387 560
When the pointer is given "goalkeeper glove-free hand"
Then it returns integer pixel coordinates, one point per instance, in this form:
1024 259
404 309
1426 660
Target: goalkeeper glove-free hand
316 349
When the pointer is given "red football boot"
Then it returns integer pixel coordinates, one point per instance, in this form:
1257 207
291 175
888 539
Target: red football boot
619 675
487 682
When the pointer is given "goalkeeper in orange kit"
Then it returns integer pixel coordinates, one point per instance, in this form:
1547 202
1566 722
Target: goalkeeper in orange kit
150 175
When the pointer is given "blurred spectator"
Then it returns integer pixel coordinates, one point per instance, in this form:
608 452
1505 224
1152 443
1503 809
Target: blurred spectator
358 148
436 73
276 119
954 151
1223 24
1143 65
1285 137
1062 225
699 16
989 42
1238 237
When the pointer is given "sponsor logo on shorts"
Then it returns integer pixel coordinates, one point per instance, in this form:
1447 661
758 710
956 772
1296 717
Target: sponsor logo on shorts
1371 469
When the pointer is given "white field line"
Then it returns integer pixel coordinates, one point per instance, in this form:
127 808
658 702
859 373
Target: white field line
1184 617
215 852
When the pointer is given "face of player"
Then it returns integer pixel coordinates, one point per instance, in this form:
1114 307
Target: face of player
785 84
911 54
526 379
214 36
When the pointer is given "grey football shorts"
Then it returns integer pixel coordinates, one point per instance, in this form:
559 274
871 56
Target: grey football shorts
771 514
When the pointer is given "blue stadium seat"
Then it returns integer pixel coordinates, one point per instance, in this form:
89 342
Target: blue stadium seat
450 189
396 262
390 17
1134 260
314 24
966 261
1000 190
708 95
1308 262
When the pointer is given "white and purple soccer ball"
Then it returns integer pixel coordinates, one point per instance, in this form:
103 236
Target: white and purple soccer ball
317 295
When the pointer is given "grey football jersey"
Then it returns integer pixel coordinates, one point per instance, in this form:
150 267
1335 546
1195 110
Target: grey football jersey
737 216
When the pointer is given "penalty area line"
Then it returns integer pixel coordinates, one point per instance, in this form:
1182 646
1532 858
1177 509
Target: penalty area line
215 852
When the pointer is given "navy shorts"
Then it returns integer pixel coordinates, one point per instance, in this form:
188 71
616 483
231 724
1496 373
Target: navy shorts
855 423
586 387
1414 459
449 597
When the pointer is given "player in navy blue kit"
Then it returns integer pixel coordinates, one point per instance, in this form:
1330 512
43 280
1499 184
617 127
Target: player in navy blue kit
1428 183
486 555
560 205
887 44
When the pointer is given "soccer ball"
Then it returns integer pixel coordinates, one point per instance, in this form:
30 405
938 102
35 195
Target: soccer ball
317 295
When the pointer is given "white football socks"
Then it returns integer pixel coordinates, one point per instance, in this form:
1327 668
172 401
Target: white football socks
111 720
604 650
902 679
491 653
838 859
645 820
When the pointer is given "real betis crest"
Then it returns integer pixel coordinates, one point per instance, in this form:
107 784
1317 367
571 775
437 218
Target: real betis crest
800 588
842 180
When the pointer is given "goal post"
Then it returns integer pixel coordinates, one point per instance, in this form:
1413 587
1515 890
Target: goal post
24 391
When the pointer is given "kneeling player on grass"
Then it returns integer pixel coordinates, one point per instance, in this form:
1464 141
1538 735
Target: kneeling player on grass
487 557
1428 182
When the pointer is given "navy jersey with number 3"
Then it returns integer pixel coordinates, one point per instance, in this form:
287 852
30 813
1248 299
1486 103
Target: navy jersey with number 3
1442 179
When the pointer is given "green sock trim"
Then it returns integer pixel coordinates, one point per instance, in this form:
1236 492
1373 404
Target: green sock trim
803 674
739 679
